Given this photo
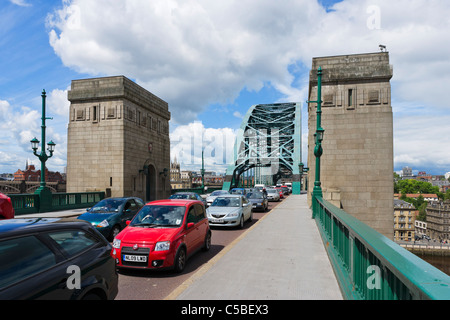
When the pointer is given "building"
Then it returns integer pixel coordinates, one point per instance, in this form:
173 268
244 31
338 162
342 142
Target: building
118 139
357 159
420 228
404 221
179 179
407 173
438 220
175 175
31 174
429 197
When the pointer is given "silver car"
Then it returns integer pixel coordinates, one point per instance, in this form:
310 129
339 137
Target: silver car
229 211
273 195
214 195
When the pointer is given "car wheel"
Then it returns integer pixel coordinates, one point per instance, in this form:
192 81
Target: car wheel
114 232
91 296
241 223
251 216
180 260
207 244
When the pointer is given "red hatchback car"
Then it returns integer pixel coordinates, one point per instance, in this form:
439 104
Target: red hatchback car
163 234
6 207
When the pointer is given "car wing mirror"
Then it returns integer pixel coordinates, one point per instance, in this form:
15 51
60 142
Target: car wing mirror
128 222
190 225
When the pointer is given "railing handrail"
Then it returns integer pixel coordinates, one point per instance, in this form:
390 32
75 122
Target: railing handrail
59 201
420 279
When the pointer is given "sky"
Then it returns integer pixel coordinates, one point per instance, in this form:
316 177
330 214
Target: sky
212 60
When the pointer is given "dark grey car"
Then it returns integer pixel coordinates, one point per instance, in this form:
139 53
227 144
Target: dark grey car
55 259
259 201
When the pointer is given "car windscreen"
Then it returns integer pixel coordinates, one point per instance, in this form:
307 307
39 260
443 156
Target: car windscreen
255 195
219 192
272 191
226 202
107 205
181 196
159 216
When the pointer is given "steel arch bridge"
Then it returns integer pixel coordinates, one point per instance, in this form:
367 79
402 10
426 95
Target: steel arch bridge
268 146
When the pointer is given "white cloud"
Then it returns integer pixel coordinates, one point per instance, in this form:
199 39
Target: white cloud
58 103
21 3
237 114
188 141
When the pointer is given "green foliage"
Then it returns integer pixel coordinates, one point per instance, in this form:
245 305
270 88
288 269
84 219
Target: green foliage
422 212
414 186
447 194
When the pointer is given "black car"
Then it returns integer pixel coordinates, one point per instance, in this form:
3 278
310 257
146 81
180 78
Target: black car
259 200
55 259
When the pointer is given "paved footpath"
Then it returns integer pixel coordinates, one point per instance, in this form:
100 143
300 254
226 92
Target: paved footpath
281 257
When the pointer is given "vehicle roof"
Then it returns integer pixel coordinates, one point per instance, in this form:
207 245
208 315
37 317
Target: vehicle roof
185 192
230 196
18 226
120 198
173 202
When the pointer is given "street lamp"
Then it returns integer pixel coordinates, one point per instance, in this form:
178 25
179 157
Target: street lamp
302 169
202 172
318 136
43 191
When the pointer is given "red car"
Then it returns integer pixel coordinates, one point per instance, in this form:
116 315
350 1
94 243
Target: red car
6 207
163 234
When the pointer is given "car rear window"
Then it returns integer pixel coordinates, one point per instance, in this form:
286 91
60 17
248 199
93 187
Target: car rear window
23 257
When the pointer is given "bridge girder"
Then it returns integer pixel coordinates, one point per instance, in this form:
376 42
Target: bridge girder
269 137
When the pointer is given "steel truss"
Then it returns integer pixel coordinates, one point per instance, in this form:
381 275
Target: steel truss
269 138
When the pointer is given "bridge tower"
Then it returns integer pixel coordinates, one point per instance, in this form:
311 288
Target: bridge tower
268 146
357 160
118 139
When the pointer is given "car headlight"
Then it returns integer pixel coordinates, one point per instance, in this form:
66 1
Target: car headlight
103 224
163 245
233 214
116 243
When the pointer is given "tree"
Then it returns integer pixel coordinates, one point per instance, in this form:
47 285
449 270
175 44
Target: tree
414 186
422 212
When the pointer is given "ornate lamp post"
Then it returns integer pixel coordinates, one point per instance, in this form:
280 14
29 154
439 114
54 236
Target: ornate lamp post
43 191
302 169
202 171
318 136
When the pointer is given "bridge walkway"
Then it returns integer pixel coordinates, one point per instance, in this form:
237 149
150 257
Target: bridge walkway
281 257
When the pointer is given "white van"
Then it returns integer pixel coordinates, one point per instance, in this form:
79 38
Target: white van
289 185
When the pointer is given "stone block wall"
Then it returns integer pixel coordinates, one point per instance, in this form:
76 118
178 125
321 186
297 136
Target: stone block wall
117 130
357 160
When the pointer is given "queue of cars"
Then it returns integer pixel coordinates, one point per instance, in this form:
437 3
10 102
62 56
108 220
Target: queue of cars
67 258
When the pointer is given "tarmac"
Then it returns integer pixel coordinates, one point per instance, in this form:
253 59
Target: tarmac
281 257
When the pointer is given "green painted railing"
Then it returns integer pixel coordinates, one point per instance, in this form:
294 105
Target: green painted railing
369 266
30 203
25 203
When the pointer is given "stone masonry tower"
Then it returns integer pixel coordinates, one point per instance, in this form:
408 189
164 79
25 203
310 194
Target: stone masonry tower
118 139
357 161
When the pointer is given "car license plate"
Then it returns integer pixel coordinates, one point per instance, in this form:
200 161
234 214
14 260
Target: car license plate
217 220
131 258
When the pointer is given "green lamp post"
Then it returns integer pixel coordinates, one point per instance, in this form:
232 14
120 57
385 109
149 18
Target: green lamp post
202 172
318 137
45 195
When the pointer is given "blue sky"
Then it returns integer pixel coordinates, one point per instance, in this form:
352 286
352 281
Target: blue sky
212 60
